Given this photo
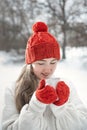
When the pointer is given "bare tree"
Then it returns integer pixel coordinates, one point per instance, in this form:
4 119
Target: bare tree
16 20
17 17
63 14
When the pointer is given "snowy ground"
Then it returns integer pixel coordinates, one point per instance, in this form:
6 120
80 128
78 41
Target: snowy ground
73 68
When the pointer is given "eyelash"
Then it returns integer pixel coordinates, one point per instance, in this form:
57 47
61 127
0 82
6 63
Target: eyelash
41 63
53 63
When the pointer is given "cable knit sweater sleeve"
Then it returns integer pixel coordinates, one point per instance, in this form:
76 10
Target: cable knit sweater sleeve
30 117
73 114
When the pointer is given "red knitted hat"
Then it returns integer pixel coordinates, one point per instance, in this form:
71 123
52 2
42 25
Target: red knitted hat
41 44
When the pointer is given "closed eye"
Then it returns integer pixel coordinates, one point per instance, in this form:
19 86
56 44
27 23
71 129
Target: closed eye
41 63
53 62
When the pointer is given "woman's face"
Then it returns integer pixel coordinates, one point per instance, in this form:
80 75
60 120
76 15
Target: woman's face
43 69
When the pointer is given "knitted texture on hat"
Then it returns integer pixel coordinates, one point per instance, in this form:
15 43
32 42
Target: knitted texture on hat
41 44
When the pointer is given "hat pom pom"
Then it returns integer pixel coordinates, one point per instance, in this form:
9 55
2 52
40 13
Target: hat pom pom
40 27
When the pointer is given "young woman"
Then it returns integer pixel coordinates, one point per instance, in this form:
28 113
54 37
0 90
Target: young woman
37 101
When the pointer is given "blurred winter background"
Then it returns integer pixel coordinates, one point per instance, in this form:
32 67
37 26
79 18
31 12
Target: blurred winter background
67 20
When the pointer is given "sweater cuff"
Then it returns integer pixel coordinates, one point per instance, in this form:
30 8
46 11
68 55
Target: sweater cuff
58 110
36 106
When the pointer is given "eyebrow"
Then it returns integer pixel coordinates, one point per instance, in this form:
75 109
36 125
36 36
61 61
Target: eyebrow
51 60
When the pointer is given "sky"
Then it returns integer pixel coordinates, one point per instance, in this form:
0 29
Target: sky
74 68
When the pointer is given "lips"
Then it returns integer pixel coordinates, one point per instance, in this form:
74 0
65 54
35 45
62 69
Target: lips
45 74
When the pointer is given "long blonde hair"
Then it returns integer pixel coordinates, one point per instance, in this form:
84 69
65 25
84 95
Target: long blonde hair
26 84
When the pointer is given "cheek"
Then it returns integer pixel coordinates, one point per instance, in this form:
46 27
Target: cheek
36 69
54 67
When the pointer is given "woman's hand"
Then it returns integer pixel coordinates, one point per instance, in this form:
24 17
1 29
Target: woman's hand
46 93
63 92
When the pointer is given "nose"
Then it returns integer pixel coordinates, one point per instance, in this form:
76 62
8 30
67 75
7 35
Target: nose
47 69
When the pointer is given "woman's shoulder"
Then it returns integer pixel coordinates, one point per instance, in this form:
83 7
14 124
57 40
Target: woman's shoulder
10 90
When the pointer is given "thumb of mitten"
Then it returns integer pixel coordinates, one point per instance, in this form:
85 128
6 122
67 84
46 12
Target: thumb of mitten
41 84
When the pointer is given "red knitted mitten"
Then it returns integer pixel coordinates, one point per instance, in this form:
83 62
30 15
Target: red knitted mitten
63 93
46 93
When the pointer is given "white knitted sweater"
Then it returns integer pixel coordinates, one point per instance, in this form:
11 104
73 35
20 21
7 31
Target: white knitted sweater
38 116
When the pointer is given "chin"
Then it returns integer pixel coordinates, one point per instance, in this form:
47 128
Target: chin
48 77
44 77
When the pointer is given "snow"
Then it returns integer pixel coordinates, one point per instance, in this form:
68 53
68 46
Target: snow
73 68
